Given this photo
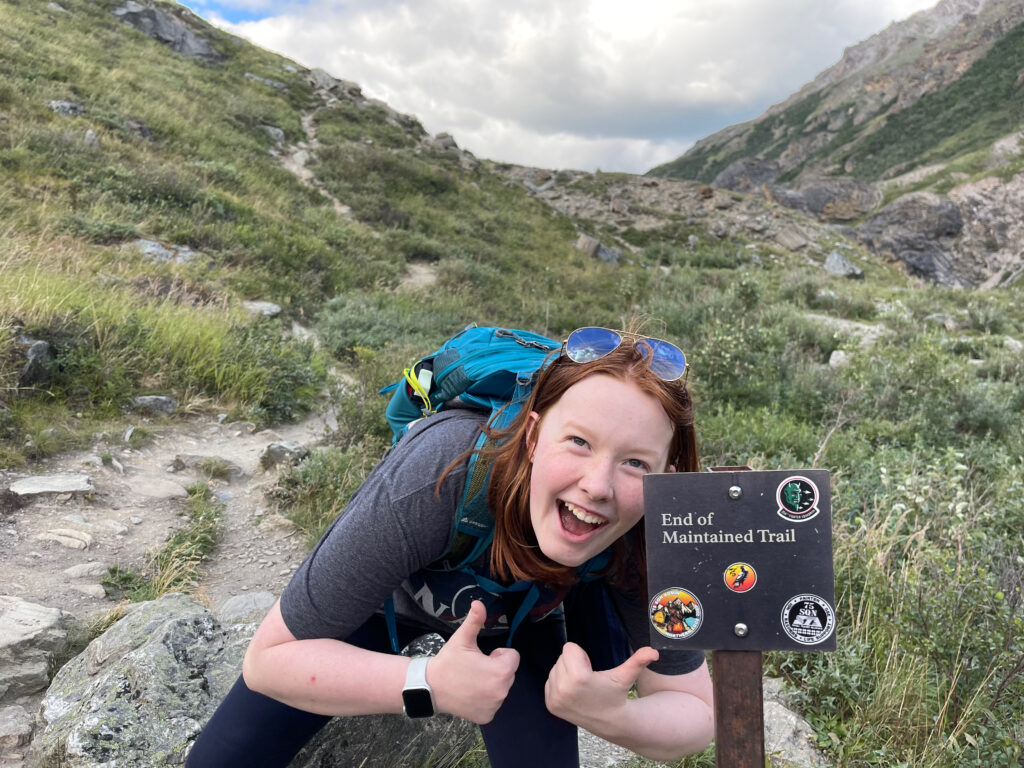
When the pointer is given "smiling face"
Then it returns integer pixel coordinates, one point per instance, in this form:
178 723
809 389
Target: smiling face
589 454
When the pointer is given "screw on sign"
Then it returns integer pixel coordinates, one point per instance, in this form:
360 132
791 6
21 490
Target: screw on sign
740 562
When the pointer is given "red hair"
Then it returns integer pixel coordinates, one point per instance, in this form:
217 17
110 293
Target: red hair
515 554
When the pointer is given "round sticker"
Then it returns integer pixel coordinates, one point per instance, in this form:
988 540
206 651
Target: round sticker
808 619
740 577
797 498
676 613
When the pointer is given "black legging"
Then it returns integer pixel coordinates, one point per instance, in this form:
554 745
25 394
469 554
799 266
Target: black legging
250 730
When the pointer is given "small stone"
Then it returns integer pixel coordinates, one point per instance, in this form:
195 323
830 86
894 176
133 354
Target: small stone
158 404
92 590
262 308
83 570
67 537
115 526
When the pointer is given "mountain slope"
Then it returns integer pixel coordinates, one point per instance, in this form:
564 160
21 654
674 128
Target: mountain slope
932 105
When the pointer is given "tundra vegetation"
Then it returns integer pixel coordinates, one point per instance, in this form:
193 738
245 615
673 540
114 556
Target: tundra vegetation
921 430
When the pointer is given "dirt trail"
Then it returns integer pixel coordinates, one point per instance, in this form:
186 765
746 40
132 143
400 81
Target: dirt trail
137 503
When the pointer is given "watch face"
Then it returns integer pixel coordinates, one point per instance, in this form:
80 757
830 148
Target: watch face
418 702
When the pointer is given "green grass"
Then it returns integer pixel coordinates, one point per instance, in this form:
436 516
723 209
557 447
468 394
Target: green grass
177 566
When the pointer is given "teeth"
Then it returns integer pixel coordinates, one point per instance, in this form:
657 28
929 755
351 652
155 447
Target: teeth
586 517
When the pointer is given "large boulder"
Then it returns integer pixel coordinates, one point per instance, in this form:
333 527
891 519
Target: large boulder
30 636
917 229
173 30
140 693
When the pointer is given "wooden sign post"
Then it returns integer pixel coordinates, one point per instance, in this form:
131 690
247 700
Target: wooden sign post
740 562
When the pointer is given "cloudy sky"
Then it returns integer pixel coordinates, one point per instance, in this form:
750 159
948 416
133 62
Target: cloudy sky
620 85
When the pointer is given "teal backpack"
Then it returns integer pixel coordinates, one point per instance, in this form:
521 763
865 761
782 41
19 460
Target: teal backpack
492 370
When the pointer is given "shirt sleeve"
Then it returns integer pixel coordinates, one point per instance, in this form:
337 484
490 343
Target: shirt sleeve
394 525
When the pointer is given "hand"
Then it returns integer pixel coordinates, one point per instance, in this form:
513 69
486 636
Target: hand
575 692
466 681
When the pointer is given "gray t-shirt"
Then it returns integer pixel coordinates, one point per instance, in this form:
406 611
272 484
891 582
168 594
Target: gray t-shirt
397 524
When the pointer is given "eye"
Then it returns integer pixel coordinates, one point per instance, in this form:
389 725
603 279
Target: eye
578 441
638 464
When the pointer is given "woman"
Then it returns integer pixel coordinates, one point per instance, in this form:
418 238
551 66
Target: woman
566 492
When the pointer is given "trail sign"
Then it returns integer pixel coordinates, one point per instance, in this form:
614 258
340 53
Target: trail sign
740 560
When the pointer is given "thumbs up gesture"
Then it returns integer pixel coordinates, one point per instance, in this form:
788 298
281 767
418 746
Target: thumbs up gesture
575 692
466 681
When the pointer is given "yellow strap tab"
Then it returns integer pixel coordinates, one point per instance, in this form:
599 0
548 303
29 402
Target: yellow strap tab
421 386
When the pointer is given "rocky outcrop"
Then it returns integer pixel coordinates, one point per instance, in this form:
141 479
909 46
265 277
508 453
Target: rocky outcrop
30 636
918 229
177 31
140 693
834 200
748 174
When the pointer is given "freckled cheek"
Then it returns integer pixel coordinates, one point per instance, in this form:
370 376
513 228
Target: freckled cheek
631 503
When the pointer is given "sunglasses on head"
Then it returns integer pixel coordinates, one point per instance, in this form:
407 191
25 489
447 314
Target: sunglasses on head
666 360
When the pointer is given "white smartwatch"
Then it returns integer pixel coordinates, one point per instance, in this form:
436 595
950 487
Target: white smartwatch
417 698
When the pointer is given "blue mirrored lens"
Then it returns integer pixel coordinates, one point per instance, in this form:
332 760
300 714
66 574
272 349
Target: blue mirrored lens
667 360
586 344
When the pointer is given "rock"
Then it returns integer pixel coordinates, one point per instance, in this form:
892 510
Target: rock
56 8
838 359
66 108
829 199
39 363
139 694
838 265
918 230
169 29
287 452
325 81
591 246
595 752
1013 345
276 134
160 253
83 570
91 139
747 174
67 537
214 466
245 609
788 738
587 244
155 404
262 308
277 85
276 522
30 635
158 488
42 484
15 728
442 141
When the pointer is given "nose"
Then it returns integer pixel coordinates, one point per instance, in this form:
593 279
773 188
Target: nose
597 480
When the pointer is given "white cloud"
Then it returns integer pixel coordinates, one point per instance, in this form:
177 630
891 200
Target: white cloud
577 83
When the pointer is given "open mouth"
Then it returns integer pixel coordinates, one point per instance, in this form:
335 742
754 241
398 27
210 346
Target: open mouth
576 521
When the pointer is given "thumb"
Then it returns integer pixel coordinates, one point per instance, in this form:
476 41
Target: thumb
467 632
628 671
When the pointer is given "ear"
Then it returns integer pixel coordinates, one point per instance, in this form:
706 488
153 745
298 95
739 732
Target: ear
670 468
531 433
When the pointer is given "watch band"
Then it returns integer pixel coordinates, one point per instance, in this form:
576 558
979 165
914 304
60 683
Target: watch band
416 675
417 698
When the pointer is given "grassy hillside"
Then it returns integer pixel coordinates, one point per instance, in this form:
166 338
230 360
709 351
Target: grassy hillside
922 430
984 104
